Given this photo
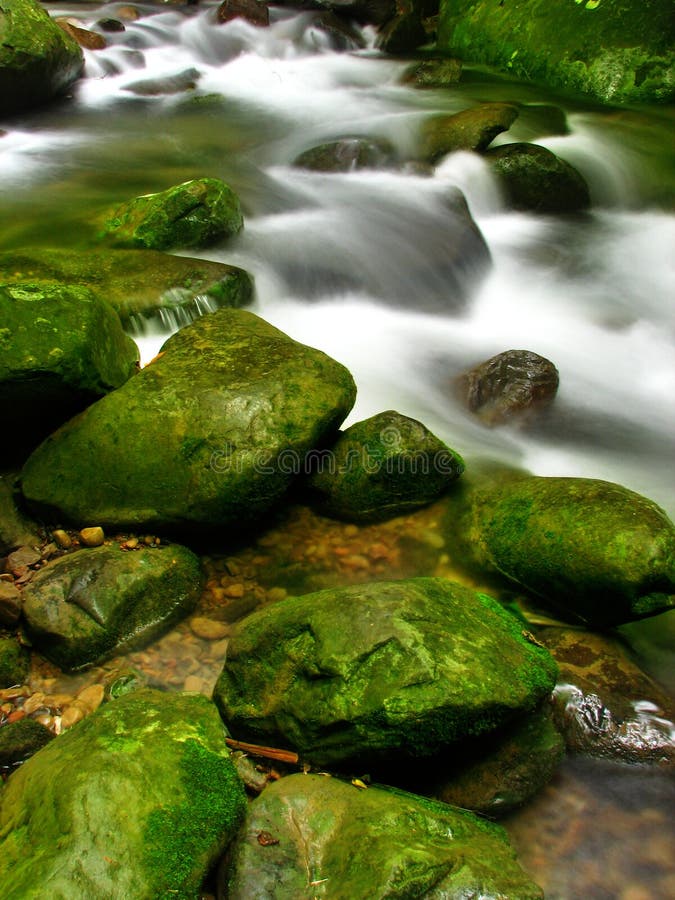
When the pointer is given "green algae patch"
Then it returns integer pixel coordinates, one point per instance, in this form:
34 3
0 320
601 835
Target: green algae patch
379 672
138 800
617 52
196 213
593 550
329 839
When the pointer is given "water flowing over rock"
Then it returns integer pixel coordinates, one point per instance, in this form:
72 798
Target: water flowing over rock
82 607
346 155
593 550
210 434
62 348
138 800
376 843
379 671
38 60
382 467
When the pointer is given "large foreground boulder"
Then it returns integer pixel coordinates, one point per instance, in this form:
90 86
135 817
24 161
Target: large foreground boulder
81 607
138 800
136 283
379 671
375 843
210 434
594 550
62 348
38 60
614 52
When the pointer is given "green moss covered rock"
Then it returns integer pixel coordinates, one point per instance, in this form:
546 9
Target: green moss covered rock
210 434
61 348
382 467
20 740
136 283
38 60
616 52
375 843
471 129
433 73
593 550
14 662
379 671
81 607
193 214
138 800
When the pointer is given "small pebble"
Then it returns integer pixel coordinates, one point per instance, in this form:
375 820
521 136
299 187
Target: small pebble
193 683
92 537
208 629
71 716
91 697
234 591
277 593
62 538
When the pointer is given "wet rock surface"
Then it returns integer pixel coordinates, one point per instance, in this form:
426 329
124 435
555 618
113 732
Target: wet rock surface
346 155
471 129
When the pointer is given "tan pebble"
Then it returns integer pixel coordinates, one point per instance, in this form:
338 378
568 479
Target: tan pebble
34 702
378 551
7 577
351 531
6 708
193 683
71 716
218 594
16 715
45 719
62 538
219 649
131 544
92 537
234 591
148 540
91 697
356 561
208 629
635 892
129 13
56 701
277 593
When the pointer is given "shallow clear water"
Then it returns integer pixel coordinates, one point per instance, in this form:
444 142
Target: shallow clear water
357 263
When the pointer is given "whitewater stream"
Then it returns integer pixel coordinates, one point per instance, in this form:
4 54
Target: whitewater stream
356 265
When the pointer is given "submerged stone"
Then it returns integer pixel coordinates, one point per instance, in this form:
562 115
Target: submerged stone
61 348
137 800
471 129
82 606
593 550
379 671
376 843
346 155
38 60
210 434
193 214
20 740
382 467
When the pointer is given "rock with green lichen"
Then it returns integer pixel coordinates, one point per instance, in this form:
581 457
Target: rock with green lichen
61 348
196 213
534 179
382 467
593 550
138 284
375 672
471 129
376 843
38 60
615 52
138 800
85 605
20 740
14 662
433 73
210 434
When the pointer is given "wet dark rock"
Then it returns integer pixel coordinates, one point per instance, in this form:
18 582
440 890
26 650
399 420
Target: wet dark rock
471 129
592 550
376 842
342 34
209 435
346 155
38 60
16 529
379 672
404 32
143 790
433 73
251 10
14 662
537 180
382 467
10 604
62 348
20 740
193 214
510 388
373 12
110 25
136 283
81 607
171 84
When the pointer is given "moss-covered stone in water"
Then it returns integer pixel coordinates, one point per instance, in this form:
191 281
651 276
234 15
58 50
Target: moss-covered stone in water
346 155
471 129
138 800
332 840
81 607
617 52
194 214
20 740
14 662
535 179
379 671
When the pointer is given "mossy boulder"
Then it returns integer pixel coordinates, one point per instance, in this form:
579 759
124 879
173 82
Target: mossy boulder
209 435
14 662
196 213
382 467
378 671
615 52
471 129
82 606
534 179
38 60
61 348
376 843
138 284
594 551
433 73
20 740
137 800
346 155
